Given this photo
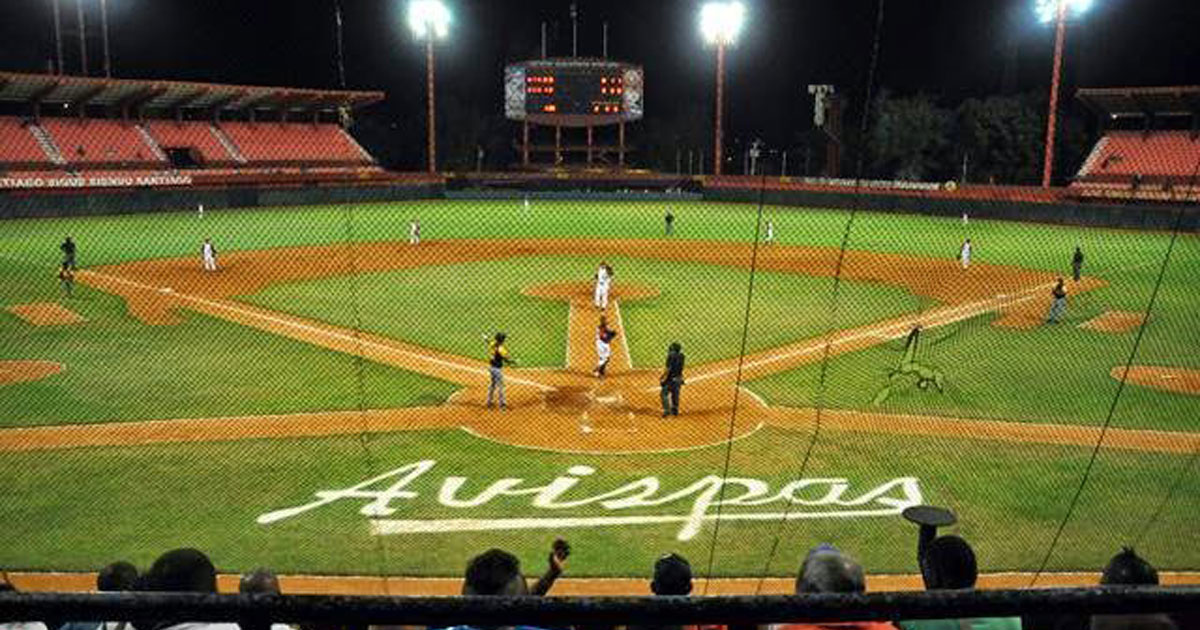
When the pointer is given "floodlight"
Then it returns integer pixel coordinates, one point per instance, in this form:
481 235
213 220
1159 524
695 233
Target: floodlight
1047 10
428 19
720 22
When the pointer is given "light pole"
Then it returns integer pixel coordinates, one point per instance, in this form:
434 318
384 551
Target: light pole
1056 11
83 60
429 20
720 22
104 38
58 45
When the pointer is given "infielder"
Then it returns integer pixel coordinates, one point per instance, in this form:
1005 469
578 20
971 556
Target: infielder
1077 263
1058 303
209 254
497 359
604 276
604 337
770 239
964 254
414 232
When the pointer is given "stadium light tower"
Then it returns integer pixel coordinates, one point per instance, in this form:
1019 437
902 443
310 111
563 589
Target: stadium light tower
720 22
429 20
1056 11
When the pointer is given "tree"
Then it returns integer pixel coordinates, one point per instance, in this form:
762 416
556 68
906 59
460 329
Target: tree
910 139
1004 136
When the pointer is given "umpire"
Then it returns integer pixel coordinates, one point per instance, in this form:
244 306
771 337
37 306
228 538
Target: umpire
671 380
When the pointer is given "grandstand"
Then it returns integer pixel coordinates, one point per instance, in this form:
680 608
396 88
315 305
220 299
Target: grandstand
1142 154
63 128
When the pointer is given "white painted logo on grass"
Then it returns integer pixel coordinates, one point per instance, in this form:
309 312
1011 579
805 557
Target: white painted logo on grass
694 504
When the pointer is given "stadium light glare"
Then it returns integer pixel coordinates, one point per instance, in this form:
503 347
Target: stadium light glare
1047 10
428 19
721 22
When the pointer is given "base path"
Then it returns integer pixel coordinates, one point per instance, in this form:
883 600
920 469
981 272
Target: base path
46 314
13 372
1168 379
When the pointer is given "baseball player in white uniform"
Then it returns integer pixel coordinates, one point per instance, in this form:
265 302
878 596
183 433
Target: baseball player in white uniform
770 232
964 254
604 275
414 232
209 254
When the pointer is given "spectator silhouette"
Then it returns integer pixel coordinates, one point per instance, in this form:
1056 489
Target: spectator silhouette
1128 569
5 587
260 582
948 563
183 571
498 573
114 578
827 570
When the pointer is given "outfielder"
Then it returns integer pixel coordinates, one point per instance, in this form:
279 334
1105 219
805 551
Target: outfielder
770 233
964 254
209 254
604 276
414 232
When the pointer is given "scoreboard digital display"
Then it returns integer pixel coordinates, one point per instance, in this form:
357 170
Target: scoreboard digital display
573 92
580 94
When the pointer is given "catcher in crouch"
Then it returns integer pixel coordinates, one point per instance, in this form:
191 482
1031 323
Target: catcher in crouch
604 337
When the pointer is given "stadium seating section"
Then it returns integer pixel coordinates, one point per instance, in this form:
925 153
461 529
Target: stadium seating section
61 146
1155 165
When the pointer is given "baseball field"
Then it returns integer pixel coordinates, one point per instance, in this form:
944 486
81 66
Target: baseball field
317 404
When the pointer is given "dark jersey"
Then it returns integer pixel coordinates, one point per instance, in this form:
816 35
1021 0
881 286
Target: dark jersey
1059 292
674 365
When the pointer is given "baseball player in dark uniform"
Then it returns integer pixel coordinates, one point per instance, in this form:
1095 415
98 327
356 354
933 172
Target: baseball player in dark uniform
68 252
671 380
1077 263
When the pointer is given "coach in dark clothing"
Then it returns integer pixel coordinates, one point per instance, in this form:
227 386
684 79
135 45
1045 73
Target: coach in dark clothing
68 252
671 380
1077 263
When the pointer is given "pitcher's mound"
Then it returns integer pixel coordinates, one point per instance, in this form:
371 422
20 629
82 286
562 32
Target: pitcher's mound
1114 322
46 314
1170 379
12 372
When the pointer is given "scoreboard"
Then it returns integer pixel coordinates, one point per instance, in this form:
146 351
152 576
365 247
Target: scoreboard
573 92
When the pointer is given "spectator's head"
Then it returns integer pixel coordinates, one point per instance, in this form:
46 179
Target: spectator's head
1127 568
949 563
494 572
259 581
182 570
118 576
672 576
827 570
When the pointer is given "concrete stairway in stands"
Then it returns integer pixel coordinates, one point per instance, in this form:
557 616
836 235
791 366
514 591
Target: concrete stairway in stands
227 143
47 143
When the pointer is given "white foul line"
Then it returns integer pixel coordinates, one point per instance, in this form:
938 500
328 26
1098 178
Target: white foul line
320 331
898 330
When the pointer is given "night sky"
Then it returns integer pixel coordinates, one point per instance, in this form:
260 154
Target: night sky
948 48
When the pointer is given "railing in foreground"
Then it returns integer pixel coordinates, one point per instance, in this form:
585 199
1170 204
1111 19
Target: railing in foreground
555 611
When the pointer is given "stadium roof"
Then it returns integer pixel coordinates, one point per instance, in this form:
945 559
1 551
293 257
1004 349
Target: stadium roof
172 95
1142 102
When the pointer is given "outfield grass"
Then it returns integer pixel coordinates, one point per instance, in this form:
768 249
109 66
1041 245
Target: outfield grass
209 495
452 307
118 369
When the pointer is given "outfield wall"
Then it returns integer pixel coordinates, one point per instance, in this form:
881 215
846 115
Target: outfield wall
26 203
1003 207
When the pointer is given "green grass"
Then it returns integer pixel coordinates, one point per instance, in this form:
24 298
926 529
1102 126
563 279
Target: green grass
108 503
1048 374
118 369
452 307
208 495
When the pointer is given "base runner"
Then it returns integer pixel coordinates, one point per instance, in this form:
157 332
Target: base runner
209 254
604 338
